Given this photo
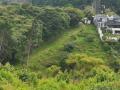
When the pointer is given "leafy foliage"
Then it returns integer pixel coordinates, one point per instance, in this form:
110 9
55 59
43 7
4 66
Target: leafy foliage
65 59
28 27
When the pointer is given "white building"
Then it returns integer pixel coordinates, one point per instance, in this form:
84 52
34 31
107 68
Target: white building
100 20
111 24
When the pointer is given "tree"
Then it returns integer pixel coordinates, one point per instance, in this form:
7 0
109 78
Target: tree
89 12
5 43
34 37
75 3
75 16
54 21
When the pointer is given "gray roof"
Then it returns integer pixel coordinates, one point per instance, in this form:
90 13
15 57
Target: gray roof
112 22
100 18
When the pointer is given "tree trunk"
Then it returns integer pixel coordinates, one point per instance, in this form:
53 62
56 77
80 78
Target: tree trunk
29 50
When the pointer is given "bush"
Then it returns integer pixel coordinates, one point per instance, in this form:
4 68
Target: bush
53 71
104 74
89 38
28 77
75 16
54 21
69 47
83 61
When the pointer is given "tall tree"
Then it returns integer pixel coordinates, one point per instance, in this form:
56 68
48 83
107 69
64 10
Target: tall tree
5 43
34 37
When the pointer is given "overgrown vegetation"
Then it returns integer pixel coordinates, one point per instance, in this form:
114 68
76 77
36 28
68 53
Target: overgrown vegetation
49 48
25 27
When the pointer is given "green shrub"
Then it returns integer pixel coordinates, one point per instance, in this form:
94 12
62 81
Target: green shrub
75 16
63 76
89 38
69 47
54 21
28 77
53 70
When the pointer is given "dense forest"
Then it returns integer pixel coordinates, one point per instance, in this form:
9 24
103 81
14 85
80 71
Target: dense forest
78 3
45 45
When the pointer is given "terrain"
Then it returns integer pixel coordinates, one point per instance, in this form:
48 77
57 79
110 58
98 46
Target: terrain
51 48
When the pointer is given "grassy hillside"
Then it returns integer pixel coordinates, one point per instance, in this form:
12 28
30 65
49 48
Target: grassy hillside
83 65
83 40
51 51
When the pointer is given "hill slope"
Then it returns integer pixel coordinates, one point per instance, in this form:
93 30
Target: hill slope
49 51
76 60
84 40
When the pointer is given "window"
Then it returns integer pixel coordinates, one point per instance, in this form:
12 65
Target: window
117 32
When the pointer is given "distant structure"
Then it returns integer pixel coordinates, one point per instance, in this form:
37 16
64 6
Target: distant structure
108 25
100 20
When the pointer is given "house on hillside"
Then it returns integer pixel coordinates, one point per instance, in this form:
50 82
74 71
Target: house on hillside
113 24
109 26
100 20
